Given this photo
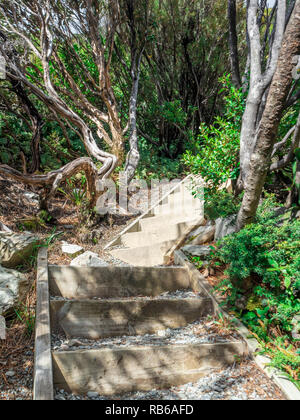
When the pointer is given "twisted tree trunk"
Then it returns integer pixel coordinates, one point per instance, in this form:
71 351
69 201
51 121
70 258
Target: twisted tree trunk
36 123
51 181
268 128
259 80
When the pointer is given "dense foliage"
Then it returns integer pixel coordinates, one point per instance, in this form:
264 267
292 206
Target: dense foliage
263 284
215 153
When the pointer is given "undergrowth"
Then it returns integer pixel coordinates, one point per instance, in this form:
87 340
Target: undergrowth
262 282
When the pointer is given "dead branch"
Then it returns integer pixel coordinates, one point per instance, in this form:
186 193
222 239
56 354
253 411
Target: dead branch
51 180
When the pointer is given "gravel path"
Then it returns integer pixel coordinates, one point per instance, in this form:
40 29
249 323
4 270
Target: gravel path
198 332
182 294
243 381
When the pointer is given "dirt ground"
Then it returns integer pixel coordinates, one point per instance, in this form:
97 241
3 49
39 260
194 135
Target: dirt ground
17 351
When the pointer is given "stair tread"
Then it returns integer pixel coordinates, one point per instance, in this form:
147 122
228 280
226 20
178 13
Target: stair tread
197 332
112 371
116 281
130 299
144 347
97 319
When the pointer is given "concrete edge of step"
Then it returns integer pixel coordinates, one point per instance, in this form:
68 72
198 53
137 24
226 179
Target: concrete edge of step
43 370
198 281
163 366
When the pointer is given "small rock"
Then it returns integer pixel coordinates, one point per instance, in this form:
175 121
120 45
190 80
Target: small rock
10 373
4 228
89 259
225 227
197 250
13 287
71 249
202 235
92 394
296 329
34 198
74 343
16 247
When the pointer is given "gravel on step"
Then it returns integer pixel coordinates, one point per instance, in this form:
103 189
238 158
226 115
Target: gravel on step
198 332
178 294
244 381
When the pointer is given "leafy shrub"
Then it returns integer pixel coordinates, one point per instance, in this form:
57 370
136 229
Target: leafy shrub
216 148
154 166
263 266
220 204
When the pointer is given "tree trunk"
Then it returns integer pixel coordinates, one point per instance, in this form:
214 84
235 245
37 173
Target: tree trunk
268 128
36 123
51 181
133 156
233 44
259 81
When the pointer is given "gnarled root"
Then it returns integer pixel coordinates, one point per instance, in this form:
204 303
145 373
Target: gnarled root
51 180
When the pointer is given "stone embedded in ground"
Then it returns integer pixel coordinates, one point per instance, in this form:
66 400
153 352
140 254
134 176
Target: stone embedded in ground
4 228
2 328
32 197
10 373
71 249
225 227
92 394
202 235
296 329
13 287
15 248
197 250
89 259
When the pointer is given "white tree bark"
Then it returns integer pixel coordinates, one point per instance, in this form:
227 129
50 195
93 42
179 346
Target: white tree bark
268 127
259 81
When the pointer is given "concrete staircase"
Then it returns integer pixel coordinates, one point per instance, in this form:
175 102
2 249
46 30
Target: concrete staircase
126 301
97 305
146 241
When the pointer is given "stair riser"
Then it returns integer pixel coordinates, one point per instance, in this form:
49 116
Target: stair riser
114 282
144 256
169 233
160 222
102 319
115 371
175 210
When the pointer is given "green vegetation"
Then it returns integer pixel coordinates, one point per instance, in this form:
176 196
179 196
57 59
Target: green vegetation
161 89
220 204
263 284
215 152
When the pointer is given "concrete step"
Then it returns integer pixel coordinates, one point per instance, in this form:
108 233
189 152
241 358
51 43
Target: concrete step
96 319
184 201
155 223
176 208
166 233
113 371
144 256
113 281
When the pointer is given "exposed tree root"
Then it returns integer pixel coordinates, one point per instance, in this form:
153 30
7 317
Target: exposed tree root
51 180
